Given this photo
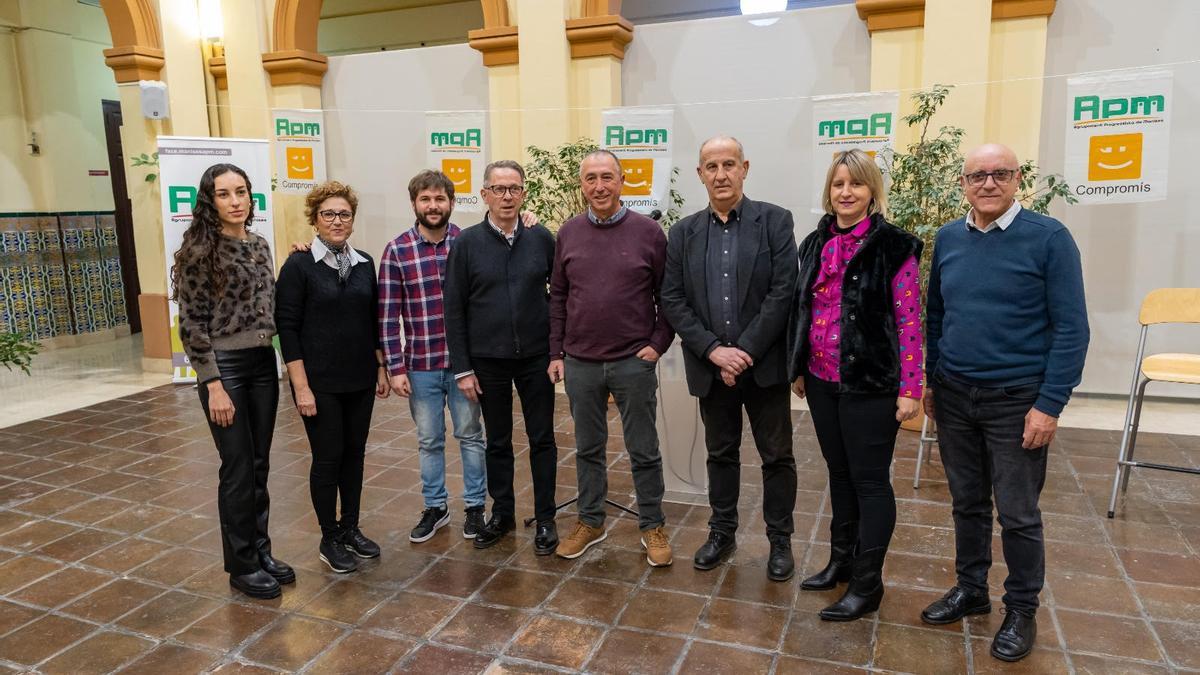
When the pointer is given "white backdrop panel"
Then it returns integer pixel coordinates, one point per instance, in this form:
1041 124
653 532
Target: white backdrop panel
1130 249
721 74
375 117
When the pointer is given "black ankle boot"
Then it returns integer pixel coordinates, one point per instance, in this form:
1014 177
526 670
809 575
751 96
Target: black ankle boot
865 590
842 538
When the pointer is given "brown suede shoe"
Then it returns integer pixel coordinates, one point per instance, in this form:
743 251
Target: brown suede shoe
658 547
581 539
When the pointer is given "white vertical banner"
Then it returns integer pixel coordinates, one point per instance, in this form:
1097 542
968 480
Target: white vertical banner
1119 137
299 142
642 139
181 163
456 145
845 122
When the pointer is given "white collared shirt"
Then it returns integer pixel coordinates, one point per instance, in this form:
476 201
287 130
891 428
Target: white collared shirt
321 252
1002 222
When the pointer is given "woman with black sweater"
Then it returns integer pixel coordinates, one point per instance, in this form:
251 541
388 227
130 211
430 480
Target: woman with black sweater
325 305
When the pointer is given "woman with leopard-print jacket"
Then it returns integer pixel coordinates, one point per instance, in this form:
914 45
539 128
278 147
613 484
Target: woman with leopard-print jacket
224 282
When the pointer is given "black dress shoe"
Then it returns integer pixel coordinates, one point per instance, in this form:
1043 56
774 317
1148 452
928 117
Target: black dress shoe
954 605
716 550
494 531
1014 640
282 571
359 545
842 538
865 590
546 539
257 584
333 552
780 565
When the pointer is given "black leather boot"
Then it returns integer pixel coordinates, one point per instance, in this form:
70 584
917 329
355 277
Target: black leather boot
865 591
780 563
1015 638
715 551
282 571
257 584
842 538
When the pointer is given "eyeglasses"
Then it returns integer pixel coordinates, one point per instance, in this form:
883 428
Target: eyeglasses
501 190
1001 176
330 216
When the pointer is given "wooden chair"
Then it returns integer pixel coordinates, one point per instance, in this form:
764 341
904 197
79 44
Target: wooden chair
1165 305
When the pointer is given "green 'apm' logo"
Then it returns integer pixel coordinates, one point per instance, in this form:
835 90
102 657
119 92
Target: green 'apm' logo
285 127
879 124
460 139
1088 108
185 195
619 135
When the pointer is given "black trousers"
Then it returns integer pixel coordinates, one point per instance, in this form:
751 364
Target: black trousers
770 413
857 434
337 436
979 433
497 377
251 380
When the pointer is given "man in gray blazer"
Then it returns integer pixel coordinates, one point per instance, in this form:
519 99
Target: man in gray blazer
727 292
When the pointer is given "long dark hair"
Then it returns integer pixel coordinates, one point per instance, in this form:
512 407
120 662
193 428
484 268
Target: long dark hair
202 236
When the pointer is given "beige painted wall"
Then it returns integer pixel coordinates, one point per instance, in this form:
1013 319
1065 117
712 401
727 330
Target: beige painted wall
399 29
57 60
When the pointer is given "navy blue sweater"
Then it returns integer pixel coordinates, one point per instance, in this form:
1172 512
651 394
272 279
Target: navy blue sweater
1006 307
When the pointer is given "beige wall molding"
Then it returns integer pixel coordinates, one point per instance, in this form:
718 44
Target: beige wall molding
599 36
137 52
295 59
891 14
1019 9
220 73
498 45
296 66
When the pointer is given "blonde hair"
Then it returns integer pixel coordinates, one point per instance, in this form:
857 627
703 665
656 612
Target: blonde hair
328 190
862 168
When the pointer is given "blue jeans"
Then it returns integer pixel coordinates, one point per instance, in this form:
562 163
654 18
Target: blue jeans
432 390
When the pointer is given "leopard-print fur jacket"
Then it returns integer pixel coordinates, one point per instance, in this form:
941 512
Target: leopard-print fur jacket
244 315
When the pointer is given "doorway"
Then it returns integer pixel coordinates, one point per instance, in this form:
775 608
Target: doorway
124 213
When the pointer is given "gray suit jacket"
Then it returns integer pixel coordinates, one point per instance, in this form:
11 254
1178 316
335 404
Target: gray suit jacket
766 280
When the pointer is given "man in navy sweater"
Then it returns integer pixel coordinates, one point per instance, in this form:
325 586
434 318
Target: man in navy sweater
1007 333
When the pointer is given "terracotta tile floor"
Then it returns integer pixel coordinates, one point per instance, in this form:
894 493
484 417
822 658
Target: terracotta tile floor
109 561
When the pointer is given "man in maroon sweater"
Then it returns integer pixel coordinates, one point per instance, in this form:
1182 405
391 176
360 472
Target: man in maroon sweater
606 335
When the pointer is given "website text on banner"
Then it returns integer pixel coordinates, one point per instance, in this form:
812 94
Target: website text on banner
839 123
642 139
299 140
1119 137
456 146
181 162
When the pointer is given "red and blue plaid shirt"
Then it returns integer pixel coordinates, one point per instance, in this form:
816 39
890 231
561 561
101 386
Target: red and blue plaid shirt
412 316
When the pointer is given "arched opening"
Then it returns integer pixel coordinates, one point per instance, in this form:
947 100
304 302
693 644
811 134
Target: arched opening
137 52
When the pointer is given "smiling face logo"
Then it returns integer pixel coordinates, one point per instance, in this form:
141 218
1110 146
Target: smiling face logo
1115 157
459 173
639 176
299 163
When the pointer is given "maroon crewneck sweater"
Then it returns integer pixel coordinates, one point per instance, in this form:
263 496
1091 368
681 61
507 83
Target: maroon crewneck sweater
604 289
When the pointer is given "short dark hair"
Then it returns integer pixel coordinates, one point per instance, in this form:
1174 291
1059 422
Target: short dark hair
430 180
502 164
600 153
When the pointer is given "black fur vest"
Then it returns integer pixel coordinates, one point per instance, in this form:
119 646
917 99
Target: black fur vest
870 359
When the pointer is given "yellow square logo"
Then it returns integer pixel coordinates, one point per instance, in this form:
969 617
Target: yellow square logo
459 173
299 163
639 176
1115 157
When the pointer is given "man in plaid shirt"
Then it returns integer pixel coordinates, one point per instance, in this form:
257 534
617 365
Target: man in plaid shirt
413 333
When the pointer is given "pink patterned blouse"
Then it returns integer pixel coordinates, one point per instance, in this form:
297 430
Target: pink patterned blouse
824 354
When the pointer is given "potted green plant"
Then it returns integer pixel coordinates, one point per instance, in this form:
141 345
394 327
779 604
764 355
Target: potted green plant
925 192
552 184
17 350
